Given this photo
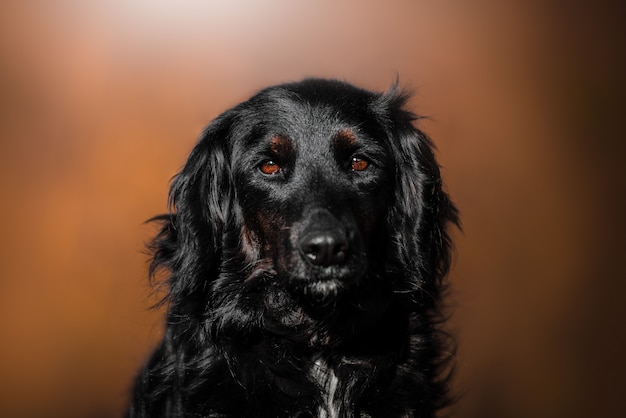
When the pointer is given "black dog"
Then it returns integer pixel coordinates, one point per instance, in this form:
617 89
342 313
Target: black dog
305 254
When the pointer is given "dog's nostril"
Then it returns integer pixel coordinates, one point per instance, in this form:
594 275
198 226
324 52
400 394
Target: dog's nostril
312 251
325 248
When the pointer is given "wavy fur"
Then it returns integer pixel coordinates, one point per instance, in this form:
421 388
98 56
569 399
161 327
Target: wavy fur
256 324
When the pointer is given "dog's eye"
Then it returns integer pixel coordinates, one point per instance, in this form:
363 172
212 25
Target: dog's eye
359 164
269 168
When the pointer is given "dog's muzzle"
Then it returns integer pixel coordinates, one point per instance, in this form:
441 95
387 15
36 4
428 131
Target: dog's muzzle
327 250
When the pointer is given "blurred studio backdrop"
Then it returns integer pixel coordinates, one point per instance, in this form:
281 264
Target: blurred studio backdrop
100 102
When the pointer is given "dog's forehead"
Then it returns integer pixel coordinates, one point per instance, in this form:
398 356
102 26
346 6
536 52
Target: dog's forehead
309 126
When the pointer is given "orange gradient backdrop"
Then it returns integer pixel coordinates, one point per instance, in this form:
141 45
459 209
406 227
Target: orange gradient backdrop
100 101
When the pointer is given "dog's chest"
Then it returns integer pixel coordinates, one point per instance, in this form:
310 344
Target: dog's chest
327 380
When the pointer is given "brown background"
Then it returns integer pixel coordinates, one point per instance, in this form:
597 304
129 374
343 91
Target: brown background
102 100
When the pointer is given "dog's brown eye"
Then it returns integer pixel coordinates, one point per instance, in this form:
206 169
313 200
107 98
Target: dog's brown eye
269 167
359 164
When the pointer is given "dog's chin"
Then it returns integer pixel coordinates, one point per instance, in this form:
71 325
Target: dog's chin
322 288
323 293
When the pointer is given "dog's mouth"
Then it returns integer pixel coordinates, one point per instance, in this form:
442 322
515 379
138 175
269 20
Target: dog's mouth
323 293
325 288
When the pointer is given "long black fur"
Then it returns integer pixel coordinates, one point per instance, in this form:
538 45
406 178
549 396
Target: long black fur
257 326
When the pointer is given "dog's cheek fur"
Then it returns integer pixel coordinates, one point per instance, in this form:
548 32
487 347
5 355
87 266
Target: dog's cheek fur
273 236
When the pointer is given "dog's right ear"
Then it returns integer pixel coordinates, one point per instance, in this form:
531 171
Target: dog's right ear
189 242
422 210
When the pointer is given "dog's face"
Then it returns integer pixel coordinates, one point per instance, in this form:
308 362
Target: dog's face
312 183
315 189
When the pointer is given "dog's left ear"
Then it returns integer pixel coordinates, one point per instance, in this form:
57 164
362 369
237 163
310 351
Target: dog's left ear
190 241
201 194
422 209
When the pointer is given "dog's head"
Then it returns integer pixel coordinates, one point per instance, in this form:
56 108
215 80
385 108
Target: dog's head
313 192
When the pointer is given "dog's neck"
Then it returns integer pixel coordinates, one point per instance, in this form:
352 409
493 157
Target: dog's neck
327 380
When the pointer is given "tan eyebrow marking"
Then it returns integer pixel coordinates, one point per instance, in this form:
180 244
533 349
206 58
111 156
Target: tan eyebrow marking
281 145
344 139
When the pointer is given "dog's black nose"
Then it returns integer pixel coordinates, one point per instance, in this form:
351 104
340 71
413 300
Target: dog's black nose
325 248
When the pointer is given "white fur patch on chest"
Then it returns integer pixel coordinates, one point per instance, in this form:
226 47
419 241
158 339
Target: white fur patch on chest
327 380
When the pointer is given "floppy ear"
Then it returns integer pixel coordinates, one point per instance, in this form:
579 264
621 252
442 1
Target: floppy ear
421 209
189 242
